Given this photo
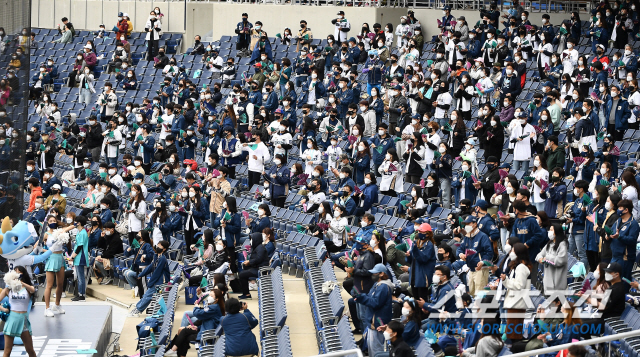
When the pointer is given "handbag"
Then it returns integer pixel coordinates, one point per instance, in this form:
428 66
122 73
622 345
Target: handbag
122 227
190 295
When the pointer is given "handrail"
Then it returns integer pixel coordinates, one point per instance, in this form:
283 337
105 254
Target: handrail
345 353
593 341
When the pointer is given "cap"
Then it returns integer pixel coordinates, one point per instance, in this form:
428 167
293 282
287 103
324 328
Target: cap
482 204
491 159
600 46
352 39
379 268
340 12
397 87
125 14
471 219
447 7
479 59
146 127
191 127
506 165
471 141
258 65
522 115
56 186
120 14
461 18
548 84
87 46
613 268
139 175
278 111
425 227
416 116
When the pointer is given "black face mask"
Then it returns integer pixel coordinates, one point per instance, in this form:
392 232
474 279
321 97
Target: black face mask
94 223
440 257
394 60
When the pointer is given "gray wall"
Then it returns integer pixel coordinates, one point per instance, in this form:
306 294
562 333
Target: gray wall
214 19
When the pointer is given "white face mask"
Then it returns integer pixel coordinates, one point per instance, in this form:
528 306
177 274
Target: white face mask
364 224
468 229
69 220
332 100
608 206
465 167
361 148
507 248
405 311
536 163
413 193
576 192
435 279
381 132
387 335
551 235
441 150
608 277
309 146
373 242
513 256
38 205
355 131
260 212
367 181
603 170
85 165
454 117
493 123
277 161
509 190
219 247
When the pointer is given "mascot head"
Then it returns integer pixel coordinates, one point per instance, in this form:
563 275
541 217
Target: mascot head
17 241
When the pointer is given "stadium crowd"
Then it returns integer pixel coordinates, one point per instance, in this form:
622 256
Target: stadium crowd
507 147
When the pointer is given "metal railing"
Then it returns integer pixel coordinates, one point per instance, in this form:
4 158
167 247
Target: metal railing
344 353
593 341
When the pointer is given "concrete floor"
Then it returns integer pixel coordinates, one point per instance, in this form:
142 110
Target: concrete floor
299 320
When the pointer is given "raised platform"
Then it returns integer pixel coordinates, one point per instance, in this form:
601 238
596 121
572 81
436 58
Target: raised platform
83 326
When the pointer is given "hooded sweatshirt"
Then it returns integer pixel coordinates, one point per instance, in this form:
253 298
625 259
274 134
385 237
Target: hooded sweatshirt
378 303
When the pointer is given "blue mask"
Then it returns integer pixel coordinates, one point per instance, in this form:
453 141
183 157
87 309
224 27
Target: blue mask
620 212
53 225
584 154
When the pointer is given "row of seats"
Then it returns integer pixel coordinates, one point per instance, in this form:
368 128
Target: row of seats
273 314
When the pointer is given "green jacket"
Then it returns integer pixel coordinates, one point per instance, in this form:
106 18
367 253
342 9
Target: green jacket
395 256
82 239
555 158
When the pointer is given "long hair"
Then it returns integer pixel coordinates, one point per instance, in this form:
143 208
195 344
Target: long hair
135 201
522 254
559 233
24 275
160 212
570 319
219 295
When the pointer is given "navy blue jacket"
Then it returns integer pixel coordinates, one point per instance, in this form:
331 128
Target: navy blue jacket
148 146
423 264
481 244
530 233
442 298
210 317
160 267
237 328
378 302
232 229
279 185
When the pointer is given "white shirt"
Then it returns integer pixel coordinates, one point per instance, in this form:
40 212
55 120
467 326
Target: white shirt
522 149
262 154
540 174
167 121
312 158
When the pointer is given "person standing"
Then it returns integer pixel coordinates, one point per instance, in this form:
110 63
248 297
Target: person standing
18 324
153 28
258 156
243 30
342 28
80 258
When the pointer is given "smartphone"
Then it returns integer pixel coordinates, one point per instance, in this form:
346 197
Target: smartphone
626 280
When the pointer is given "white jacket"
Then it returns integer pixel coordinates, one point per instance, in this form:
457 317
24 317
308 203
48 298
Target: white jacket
111 103
109 149
311 158
369 123
157 34
522 149
391 180
136 219
518 286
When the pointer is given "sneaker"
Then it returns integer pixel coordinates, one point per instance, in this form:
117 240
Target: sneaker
135 290
57 309
106 281
171 353
64 295
244 297
48 313
80 298
134 313
253 286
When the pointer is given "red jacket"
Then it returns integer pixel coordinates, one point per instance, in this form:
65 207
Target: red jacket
123 27
36 192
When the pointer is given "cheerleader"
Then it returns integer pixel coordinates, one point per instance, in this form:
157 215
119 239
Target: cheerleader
19 290
55 239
